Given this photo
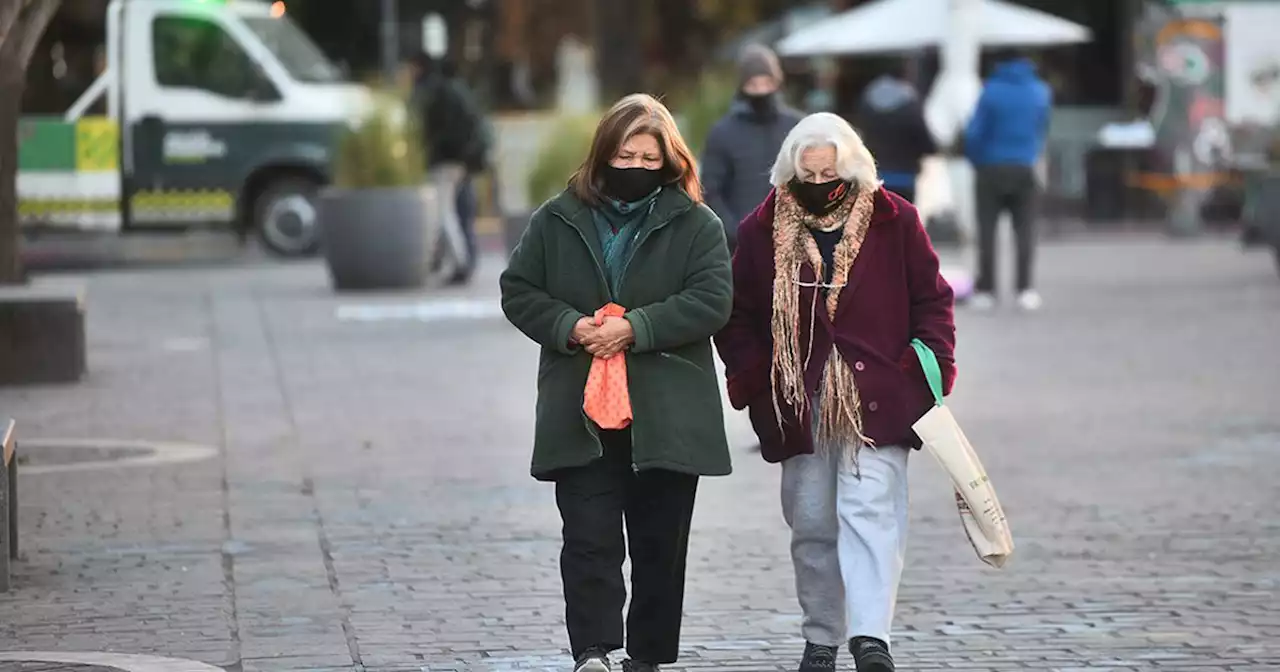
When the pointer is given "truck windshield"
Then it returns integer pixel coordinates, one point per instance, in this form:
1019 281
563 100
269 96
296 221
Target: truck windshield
297 53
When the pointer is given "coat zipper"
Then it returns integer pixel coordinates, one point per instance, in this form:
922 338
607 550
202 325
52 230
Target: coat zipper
640 240
622 281
595 434
622 277
600 276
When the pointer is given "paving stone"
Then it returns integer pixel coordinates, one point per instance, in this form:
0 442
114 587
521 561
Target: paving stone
53 667
369 506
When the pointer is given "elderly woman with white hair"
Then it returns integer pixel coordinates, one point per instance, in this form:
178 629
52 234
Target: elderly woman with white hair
834 276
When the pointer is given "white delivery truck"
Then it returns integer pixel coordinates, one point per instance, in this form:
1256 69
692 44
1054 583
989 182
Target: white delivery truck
213 113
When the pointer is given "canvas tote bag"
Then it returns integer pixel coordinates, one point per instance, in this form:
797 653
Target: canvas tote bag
980 512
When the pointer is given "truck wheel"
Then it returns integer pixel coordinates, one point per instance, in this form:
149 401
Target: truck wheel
285 217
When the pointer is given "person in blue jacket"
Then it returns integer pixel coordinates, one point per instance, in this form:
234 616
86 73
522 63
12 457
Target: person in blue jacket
1004 140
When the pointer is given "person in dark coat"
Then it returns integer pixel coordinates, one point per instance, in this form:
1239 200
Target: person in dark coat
834 277
1004 140
631 230
456 134
890 119
742 145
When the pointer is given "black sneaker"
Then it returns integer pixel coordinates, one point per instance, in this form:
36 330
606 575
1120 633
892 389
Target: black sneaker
637 666
592 660
819 658
871 655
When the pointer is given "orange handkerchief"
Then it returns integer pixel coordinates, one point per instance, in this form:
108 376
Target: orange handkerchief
606 399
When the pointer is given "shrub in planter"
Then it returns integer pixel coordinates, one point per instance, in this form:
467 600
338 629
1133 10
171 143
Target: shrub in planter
700 105
564 149
377 221
697 109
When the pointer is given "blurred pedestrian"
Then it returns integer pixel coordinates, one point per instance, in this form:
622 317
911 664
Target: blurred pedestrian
741 146
458 139
890 118
631 230
1004 141
829 378
821 96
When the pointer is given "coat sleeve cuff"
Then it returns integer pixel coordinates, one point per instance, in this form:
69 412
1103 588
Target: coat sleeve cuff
741 392
562 333
643 330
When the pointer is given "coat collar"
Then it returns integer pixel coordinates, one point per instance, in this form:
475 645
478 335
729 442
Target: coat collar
886 210
671 203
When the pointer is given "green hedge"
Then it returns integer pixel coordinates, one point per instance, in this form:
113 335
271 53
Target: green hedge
701 105
384 149
562 152
696 109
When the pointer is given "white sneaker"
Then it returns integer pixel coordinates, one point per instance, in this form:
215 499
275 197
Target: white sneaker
1030 301
983 301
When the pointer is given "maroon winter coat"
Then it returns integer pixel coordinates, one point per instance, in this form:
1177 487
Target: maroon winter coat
895 293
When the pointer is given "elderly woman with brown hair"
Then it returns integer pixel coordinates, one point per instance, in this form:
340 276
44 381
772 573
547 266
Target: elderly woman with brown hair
833 278
630 230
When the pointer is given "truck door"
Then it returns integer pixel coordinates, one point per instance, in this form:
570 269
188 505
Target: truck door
69 175
192 95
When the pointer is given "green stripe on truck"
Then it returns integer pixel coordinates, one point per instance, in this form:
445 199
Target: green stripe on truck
46 144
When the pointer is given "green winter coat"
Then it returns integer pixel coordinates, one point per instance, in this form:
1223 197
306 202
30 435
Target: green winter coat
678 290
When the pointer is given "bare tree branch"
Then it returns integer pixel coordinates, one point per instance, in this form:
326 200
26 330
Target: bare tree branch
22 24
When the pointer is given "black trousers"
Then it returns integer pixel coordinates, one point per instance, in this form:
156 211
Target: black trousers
1001 189
657 507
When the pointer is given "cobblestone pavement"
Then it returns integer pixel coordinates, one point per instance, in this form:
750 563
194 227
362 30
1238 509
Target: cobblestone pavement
370 506
54 667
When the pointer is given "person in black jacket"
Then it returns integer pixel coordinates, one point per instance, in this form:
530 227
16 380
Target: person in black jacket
456 133
890 119
742 146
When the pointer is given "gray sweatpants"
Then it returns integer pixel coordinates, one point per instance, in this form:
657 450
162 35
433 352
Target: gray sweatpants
848 541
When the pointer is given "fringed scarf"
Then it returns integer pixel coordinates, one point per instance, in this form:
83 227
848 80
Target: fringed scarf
839 414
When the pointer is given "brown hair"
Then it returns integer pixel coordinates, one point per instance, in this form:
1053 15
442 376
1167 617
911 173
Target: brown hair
634 114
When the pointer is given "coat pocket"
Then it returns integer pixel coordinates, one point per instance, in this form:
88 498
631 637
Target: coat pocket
682 360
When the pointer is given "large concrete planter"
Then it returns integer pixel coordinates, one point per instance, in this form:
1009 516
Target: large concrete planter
379 239
42 334
513 226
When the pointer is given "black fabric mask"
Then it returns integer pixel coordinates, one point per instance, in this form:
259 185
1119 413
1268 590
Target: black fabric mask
762 104
820 198
631 184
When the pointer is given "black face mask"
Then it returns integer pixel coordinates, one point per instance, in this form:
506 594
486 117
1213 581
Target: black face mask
760 103
631 184
820 198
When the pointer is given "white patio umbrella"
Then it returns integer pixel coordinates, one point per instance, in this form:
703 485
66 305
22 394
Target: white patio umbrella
904 25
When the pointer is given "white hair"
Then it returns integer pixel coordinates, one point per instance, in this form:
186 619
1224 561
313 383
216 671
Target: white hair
823 129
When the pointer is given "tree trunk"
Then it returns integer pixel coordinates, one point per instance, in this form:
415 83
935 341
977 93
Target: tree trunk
619 52
22 23
676 24
11 87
